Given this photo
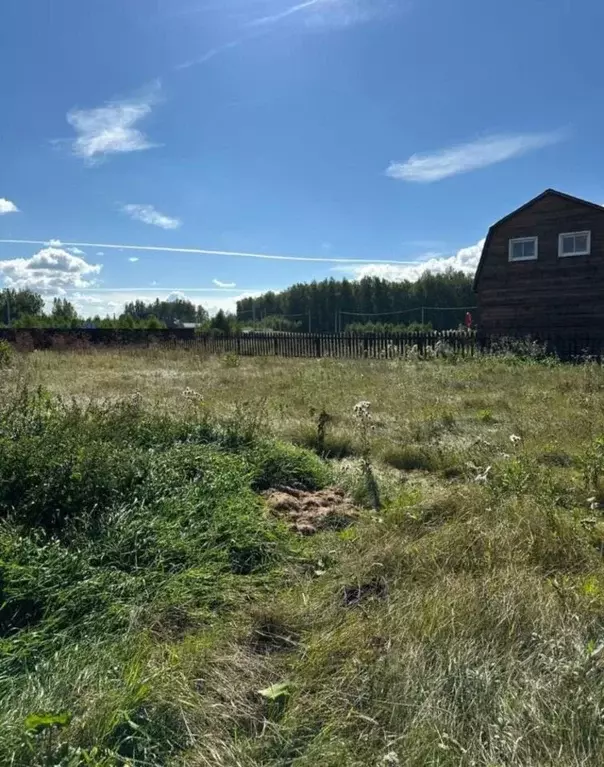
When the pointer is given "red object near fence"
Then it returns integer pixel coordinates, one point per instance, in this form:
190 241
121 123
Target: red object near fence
468 320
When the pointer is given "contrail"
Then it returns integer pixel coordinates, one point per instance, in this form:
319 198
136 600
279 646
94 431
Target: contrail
284 14
202 252
255 23
211 53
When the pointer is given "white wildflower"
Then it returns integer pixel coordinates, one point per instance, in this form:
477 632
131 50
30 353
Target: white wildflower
593 503
484 476
390 759
515 439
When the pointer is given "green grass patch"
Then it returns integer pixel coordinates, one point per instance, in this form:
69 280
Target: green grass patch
120 530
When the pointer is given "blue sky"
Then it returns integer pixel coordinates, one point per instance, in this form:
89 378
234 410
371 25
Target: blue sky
391 131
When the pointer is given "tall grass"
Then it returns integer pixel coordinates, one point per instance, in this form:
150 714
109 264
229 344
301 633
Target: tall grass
147 593
122 532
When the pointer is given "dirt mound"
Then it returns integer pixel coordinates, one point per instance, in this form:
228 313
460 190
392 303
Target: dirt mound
309 512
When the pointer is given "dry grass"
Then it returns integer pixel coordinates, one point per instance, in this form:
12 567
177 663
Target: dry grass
460 627
438 402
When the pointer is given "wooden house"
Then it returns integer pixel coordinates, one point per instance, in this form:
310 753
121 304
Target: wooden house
541 271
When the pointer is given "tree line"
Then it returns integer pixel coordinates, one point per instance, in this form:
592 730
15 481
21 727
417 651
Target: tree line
437 301
26 309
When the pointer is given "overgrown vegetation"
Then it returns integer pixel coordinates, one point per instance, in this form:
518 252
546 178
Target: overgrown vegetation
120 529
154 613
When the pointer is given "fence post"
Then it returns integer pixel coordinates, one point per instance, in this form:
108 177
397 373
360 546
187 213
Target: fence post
317 346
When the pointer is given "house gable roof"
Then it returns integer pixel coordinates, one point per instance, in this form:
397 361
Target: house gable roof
526 205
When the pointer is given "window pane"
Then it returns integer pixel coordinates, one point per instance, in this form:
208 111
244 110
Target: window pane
529 249
580 243
517 250
568 244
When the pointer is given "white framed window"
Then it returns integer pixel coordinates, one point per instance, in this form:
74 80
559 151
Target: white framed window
574 244
524 249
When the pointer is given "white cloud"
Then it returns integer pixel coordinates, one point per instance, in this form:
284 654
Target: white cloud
176 295
51 270
112 128
133 259
76 251
148 215
100 253
6 206
434 166
465 260
54 243
229 303
220 284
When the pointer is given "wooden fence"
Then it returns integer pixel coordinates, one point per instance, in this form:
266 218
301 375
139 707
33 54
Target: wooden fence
309 345
251 344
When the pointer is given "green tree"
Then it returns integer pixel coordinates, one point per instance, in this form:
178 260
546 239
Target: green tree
15 304
171 313
368 300
63 312
220 322
154 324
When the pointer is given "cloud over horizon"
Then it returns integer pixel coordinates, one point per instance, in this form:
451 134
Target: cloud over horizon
465 260
50 270
108 302
462 158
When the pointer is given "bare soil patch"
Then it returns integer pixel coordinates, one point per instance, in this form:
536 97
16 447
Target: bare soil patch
308 513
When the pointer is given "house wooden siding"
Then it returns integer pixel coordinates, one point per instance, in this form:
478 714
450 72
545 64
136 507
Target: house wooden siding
549 295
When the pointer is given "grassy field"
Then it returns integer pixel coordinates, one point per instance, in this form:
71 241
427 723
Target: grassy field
151 603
